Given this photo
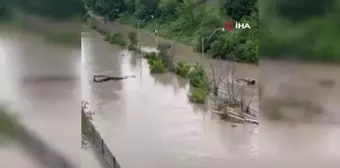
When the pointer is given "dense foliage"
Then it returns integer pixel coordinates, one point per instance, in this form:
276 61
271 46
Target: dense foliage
188 21
4 10
239 9
293 30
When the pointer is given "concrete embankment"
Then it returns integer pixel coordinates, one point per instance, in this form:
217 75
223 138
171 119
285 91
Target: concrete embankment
97 142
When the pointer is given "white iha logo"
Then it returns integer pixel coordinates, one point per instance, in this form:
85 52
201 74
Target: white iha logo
230 25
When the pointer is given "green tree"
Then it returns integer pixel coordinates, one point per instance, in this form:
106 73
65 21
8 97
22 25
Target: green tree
130 6
168 9
188 21
145 8
304 9
238 9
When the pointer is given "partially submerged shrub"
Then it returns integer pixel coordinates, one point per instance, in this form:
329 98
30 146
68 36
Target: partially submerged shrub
198 94
197 76
182 68
157 66
155 63
115 38
151 56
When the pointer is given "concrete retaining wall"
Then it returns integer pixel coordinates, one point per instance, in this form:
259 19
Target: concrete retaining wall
99 144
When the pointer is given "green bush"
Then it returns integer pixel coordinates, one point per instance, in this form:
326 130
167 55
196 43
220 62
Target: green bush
151 56
115 38
182 69
197 76
247 52
157 66
198 94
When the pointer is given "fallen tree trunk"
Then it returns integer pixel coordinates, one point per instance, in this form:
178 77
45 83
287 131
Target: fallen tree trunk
106 78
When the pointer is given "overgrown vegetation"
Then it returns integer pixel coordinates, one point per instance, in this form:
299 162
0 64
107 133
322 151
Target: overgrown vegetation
299 31
197 76
188 21
197 94
115 38
194 73
4 10
157 66
182 68
155 63
198 82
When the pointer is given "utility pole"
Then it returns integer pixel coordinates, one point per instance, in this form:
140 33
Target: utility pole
156 31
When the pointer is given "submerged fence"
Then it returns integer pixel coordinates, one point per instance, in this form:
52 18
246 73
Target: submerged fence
97 141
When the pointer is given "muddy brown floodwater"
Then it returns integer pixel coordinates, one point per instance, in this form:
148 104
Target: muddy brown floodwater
147 121
304 99
40 81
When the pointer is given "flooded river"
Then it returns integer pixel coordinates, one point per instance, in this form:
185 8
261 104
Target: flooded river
40 81
305 100
147 121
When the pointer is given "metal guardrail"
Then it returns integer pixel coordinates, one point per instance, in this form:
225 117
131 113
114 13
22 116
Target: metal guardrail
97 141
